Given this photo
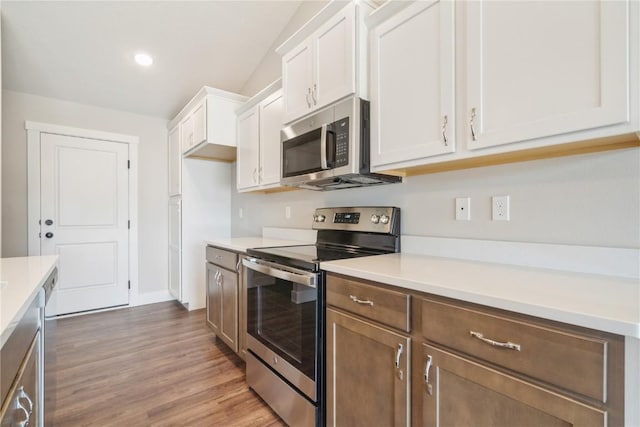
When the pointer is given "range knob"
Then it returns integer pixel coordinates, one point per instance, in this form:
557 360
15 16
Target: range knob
320 218
375 218
384 219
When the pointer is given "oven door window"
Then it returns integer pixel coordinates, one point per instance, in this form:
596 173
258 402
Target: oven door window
282 316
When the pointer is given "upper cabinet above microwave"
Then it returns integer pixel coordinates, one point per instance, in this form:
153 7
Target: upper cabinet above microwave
325 60
207 125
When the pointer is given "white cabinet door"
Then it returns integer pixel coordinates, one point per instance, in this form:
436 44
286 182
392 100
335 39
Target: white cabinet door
270 125
199 117
175 249
334 58
536 69
186 133
297 75
175 162
412 84
248 146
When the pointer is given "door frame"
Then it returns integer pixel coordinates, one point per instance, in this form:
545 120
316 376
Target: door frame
34 130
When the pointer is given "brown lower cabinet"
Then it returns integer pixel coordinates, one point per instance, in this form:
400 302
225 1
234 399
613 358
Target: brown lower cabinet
222 304
460 392
367 373
470 365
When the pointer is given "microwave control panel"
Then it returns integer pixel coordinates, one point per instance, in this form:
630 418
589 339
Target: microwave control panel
341 129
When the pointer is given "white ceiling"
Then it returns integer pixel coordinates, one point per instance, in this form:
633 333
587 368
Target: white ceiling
83 51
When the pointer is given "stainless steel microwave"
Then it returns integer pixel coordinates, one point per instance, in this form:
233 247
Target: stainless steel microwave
330 149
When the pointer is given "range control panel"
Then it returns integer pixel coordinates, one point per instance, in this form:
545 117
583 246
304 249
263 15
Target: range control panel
367 218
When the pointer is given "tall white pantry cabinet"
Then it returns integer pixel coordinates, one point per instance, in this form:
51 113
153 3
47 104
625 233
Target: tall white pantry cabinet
199 188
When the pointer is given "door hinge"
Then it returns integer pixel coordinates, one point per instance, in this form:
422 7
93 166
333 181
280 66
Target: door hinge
129 284
128 164
129 224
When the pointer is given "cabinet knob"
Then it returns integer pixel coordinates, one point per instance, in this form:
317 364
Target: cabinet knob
48 235
48 222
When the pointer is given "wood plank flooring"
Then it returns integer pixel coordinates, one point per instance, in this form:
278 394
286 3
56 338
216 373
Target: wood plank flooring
154 365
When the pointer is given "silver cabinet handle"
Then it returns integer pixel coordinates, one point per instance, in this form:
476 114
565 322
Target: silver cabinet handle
444 129
255 171
471 123
313 94
509 345
27 412
238 264
307 98
361 301
427 368
398 354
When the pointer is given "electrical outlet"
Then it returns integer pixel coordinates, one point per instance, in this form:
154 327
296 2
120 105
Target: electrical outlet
500 208
463 209
287 212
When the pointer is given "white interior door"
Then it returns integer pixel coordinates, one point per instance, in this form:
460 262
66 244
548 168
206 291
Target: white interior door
84 220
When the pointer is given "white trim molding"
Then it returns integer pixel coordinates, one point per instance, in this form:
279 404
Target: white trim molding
34 131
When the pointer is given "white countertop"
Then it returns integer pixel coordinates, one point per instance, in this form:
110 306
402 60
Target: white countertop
20 281
241 244
605 303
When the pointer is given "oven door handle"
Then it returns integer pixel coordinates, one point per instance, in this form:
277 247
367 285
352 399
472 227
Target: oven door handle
287 273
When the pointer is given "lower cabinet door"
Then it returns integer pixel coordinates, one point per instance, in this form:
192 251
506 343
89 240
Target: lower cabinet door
367 373
213 298
228 282
459 392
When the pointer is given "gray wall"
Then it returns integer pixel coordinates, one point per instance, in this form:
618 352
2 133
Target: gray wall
152 174
591 199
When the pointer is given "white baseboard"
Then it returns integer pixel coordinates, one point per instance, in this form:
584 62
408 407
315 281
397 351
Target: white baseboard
152 298
620 262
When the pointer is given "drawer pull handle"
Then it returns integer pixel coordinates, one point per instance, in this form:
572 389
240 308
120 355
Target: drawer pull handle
510 345
361 301
398 354
427 368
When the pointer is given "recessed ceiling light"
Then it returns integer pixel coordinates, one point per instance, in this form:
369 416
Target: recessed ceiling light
143 59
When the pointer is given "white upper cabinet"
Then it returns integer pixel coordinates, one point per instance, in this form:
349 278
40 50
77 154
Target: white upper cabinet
325 60
539 69
297 78
248 149
412 85
175 162
334 59
259 124
270 125
207 124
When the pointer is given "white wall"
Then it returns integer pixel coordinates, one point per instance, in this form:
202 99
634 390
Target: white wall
152 174
270 68
591 199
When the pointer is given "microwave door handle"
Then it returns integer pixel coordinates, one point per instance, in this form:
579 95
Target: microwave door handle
301 278
323 147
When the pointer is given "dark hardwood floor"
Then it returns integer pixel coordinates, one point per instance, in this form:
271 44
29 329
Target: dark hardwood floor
154 365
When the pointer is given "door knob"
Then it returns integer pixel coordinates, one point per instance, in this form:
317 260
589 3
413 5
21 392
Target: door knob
48 222
48 235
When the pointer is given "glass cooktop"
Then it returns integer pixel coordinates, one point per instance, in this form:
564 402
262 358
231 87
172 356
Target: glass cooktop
306 257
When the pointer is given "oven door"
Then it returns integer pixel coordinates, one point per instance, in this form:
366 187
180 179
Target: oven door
283 321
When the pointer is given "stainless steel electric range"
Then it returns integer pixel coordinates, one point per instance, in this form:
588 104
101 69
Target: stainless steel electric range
286 307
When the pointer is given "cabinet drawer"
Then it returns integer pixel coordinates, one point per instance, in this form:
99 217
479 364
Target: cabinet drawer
570 361
223 258
381 305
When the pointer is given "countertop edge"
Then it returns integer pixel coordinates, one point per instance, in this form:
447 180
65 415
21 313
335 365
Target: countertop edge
615 326
9 328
